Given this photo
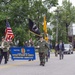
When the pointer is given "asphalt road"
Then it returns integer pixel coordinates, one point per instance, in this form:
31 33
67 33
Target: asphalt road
53 67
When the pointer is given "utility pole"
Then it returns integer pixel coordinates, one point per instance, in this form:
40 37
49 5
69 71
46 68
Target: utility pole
57 18
38 12
57 11
57 29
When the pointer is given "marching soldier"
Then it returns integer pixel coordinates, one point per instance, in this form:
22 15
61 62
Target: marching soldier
42 50
4 49
47 52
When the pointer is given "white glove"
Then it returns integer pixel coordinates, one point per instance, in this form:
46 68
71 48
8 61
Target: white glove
38 46
2 47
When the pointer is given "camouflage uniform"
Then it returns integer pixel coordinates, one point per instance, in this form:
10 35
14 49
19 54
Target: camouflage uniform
4 50
47 51
42 51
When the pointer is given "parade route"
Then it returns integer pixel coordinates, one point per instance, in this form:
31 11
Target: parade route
53 67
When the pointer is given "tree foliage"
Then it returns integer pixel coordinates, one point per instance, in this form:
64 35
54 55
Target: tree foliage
64 17
18 11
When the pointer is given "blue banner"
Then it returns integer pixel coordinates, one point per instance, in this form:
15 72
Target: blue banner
22 53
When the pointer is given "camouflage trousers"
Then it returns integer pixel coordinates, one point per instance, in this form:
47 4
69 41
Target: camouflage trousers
47 55
42 57
3 54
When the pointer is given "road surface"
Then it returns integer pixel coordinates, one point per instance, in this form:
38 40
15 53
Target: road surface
53 67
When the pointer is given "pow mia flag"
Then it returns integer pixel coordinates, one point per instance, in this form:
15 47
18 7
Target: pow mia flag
33 28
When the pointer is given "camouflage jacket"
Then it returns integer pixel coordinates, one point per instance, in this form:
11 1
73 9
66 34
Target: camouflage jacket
5 47
43 46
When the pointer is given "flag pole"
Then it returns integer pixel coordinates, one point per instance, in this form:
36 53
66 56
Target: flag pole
29 34
45 29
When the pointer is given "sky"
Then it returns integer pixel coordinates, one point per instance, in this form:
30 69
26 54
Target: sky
60 3
72 1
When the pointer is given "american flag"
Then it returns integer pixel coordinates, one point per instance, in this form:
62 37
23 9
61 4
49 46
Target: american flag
8 32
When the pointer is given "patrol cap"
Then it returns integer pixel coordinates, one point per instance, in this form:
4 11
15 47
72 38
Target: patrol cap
40 36
2 37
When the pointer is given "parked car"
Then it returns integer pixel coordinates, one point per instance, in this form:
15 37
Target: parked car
68 49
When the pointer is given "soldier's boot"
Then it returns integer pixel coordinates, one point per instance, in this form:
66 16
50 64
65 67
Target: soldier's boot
47 59
43 64
40 63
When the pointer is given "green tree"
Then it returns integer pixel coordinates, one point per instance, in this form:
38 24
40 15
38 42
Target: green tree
65 17
18 11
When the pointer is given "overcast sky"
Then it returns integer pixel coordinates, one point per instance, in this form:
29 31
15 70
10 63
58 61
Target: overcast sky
60 3
72 1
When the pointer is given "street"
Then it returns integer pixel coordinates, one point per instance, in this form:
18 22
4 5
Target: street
53 67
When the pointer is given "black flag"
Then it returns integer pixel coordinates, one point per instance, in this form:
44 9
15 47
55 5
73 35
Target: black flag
33 28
